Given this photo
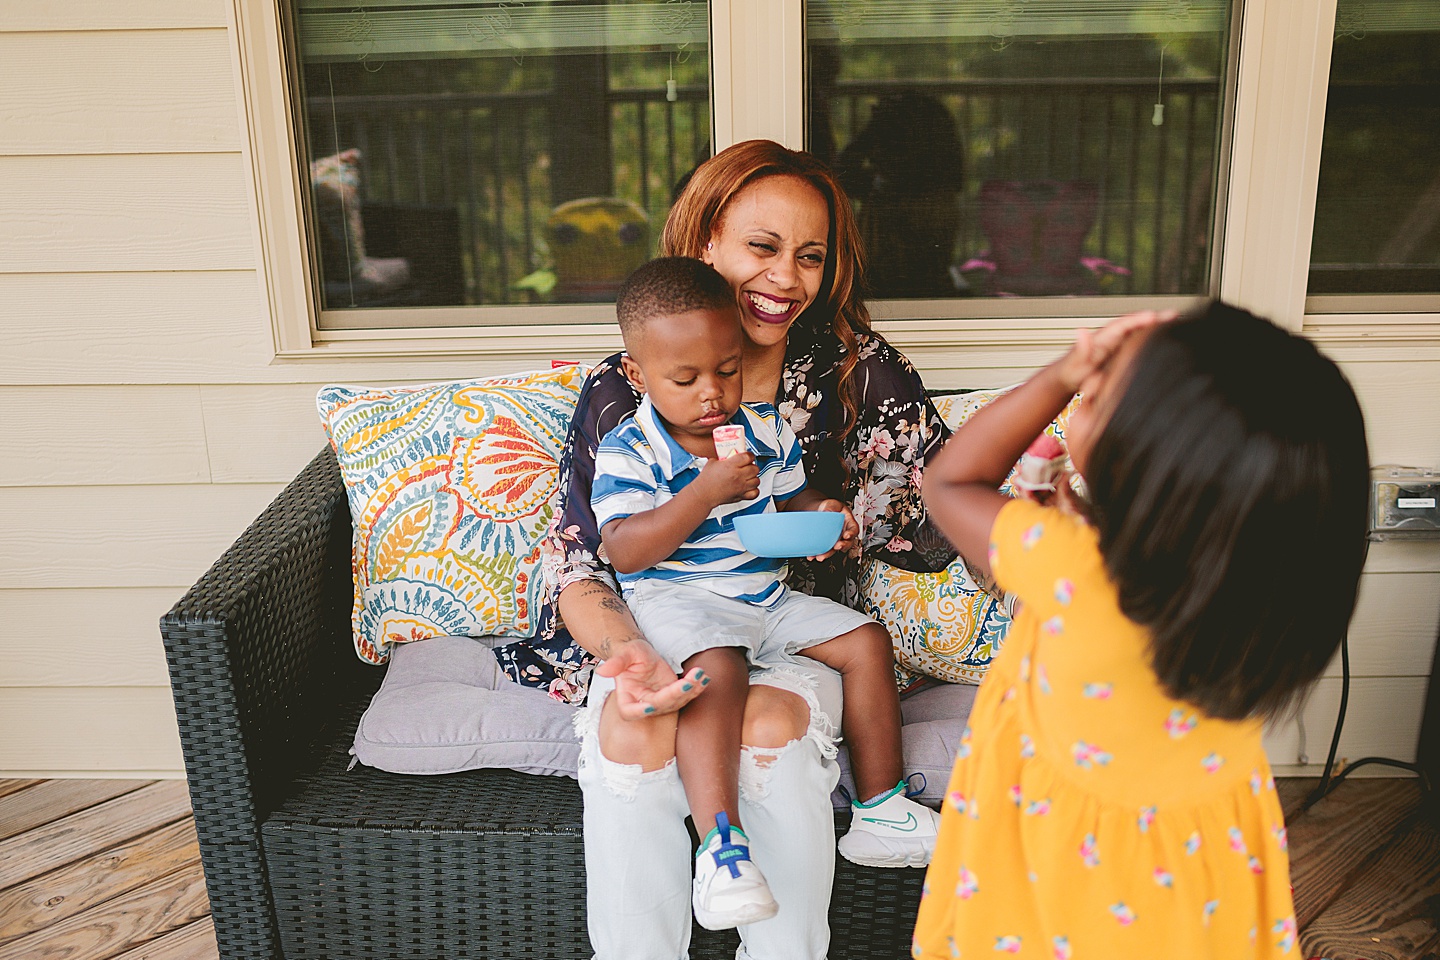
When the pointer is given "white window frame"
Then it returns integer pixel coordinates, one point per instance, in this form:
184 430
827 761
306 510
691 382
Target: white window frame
1264 244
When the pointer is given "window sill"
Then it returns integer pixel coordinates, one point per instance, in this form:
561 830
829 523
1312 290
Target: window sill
909 324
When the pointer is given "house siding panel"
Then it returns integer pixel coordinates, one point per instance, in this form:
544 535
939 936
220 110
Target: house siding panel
130 212
103 435
83 637
123 536
89 731
136 328
106 15
261 433
1382 719
163 91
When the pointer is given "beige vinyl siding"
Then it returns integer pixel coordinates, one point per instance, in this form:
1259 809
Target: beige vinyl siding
105 15
52 108
127 213
83 636
146 420
127 258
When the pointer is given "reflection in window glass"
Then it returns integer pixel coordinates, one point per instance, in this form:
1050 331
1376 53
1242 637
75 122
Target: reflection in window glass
1010 148
495 152
1377 214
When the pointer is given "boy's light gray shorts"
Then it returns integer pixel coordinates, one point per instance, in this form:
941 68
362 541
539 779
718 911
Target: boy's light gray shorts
681 620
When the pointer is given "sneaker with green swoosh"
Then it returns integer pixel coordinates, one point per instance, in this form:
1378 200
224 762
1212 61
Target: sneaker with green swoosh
890 831
728 889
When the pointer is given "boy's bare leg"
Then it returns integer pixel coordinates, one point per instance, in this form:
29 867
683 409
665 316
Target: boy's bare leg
707 738
870 720
887 828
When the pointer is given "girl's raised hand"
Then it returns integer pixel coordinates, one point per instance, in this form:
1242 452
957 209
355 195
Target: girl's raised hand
1093 348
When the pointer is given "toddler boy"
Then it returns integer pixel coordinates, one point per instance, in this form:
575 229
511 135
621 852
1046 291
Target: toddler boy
666 504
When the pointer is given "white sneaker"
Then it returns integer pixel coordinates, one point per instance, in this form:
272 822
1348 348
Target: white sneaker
729 890
893 831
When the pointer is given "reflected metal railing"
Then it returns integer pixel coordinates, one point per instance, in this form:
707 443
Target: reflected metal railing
487 156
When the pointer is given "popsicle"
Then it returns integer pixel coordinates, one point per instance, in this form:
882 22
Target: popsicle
1041 465
729 439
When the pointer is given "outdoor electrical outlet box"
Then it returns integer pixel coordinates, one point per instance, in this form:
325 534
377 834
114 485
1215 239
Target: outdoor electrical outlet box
1404 503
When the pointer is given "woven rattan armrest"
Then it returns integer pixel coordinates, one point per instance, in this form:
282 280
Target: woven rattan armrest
260 655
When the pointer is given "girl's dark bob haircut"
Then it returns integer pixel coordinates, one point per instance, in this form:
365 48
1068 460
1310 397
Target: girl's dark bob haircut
1229 486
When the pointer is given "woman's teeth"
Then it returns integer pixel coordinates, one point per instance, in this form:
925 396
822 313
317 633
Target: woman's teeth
768 306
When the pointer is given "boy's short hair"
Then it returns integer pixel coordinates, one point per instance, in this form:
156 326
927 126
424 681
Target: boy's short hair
666 287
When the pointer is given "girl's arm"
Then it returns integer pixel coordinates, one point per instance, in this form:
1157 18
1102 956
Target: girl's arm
961 483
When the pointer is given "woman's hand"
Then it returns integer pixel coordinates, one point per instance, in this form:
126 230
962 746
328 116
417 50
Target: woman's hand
849 541
645 686
1094 348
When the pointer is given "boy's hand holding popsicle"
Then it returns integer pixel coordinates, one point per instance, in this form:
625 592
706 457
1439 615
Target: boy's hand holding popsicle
730 441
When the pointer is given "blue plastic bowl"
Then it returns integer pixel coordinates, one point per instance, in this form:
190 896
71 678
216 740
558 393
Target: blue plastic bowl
804 533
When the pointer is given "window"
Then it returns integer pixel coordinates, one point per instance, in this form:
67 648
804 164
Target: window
492 153
413 160
1025 149
1377 212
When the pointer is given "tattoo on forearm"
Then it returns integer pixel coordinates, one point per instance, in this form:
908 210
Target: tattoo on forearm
608 601
606 647
615 605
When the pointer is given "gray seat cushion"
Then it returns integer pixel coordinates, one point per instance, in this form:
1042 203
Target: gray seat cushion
444 706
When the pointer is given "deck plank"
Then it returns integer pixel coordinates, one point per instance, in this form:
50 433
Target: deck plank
1340 835
128 887
91 881
55 844
119 925
1293 791
8 787
50 800
1388 913
195 941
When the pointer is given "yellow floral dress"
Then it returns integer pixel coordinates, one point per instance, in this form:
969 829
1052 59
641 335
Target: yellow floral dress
1090 815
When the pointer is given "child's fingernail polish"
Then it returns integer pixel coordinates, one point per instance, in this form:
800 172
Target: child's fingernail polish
705 682
687 687
699 674
649 709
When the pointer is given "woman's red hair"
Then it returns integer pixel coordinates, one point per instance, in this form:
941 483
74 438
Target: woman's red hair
840 307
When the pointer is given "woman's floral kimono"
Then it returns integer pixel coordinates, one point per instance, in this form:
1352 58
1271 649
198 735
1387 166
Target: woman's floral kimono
876 469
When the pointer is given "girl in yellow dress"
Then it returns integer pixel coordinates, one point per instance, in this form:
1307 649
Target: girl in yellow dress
1111 798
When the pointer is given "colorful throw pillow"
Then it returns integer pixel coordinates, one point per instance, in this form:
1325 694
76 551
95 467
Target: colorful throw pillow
944 625
451 486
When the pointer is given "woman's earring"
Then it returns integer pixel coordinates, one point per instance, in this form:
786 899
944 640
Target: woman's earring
710 246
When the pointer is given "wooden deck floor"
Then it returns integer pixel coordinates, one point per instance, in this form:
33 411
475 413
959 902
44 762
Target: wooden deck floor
110 870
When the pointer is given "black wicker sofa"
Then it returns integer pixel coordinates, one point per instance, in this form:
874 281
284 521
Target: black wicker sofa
307 857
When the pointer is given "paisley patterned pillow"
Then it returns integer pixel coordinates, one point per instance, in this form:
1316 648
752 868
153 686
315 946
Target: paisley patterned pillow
451 486
944 625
